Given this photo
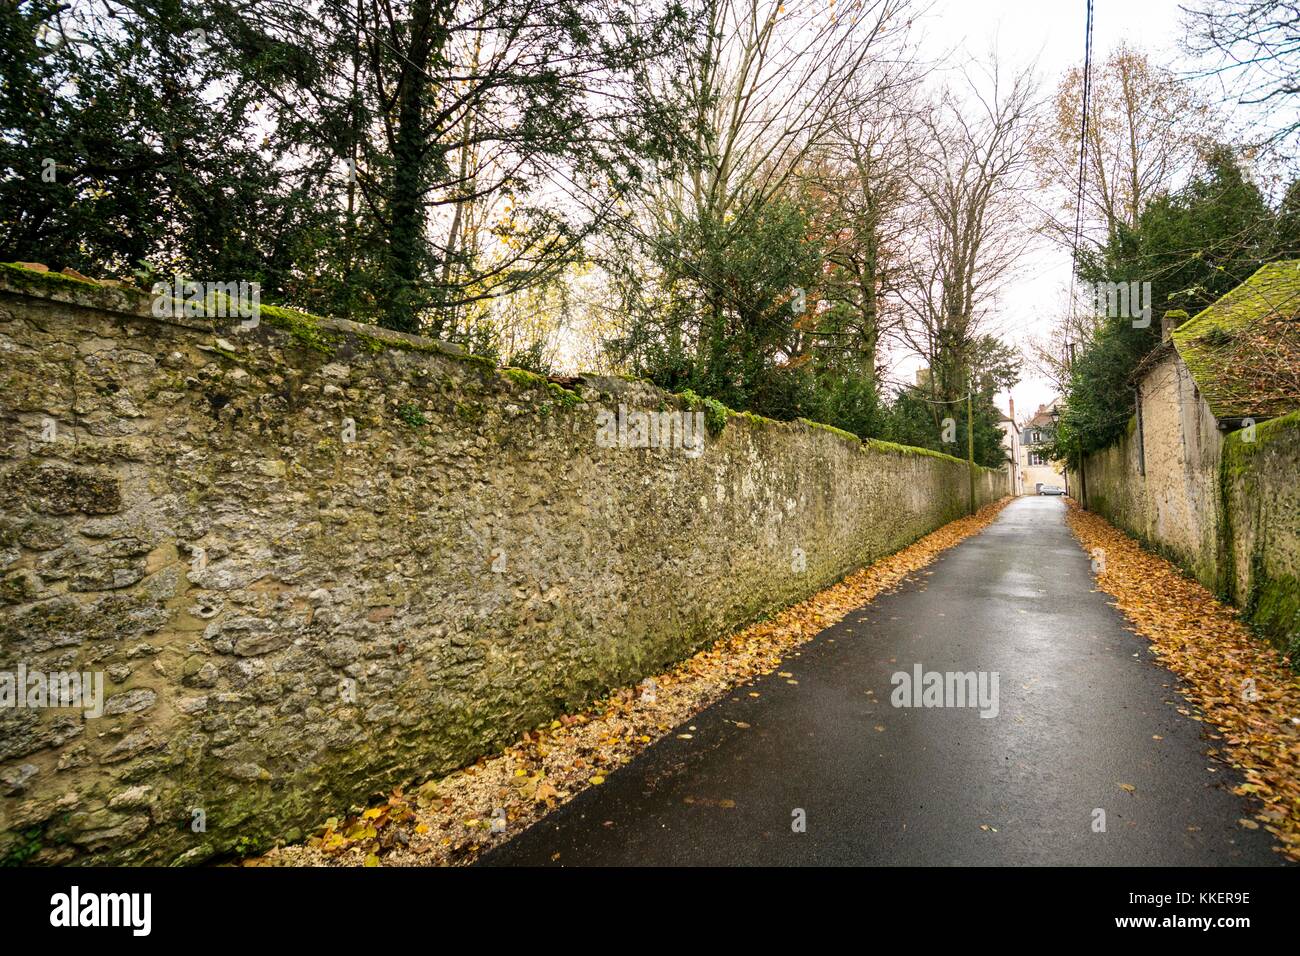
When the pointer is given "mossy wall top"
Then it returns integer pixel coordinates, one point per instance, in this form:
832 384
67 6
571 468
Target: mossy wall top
312 560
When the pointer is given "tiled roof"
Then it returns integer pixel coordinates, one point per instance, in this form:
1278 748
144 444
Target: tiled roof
1243 351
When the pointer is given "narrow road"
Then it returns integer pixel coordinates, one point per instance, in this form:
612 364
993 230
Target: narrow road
1085 722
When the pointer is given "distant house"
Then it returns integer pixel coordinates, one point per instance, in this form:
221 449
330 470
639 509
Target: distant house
1209 470
1011 446
1036 467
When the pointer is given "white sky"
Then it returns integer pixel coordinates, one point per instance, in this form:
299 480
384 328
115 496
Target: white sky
1052 33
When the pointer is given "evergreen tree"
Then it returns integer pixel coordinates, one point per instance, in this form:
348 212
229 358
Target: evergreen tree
1193 245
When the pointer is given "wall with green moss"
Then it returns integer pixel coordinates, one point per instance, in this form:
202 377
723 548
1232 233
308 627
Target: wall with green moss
1224 508
313 560
1174 505
1260 553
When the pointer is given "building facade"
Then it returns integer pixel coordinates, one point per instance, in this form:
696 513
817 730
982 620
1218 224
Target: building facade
1011 448
1036 467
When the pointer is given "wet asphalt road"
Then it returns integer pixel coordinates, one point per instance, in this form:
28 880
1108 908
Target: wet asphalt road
1080 704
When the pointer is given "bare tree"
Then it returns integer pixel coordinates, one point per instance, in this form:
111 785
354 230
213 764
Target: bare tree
1255 47
771 86
770 81
864 177
971 185
1145 126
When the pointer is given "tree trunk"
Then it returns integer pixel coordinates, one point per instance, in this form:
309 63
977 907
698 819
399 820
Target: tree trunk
406 240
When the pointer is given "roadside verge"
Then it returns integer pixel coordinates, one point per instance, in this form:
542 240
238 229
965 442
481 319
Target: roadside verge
1241 688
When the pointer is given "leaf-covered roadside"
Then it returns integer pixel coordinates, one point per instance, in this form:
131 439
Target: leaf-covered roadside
1248 698
451 820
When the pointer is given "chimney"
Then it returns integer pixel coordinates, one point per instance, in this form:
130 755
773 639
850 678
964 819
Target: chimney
1170 321
1011 404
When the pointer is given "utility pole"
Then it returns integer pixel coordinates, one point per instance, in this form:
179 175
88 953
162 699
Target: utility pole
1083 475
970 450
1083 479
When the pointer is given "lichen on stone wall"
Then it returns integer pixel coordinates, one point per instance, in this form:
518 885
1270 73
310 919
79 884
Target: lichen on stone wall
1245 543
311 560
1260 503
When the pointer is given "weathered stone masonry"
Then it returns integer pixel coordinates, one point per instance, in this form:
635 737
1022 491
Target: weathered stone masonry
289 622
1226 508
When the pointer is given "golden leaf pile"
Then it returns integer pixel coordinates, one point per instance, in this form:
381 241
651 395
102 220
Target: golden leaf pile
1243 687
451 821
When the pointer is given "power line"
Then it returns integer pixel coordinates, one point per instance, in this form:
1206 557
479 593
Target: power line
941 401
1083 147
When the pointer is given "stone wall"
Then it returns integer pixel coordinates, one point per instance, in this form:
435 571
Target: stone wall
313 560
1226 509
1175 504
1260 550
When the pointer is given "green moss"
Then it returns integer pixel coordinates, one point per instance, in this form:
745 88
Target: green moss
1205 343
889 446
412 416
36 279
715 413
839 432
1272 604
524 378
478 361
1238 452
754 418
1274 611
531 380
564 396
50 283
467 412
306 328
303 327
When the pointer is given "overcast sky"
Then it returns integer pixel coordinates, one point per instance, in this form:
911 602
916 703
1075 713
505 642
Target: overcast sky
1050 32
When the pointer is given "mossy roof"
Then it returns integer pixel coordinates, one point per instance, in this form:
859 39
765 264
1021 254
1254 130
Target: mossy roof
1243 351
